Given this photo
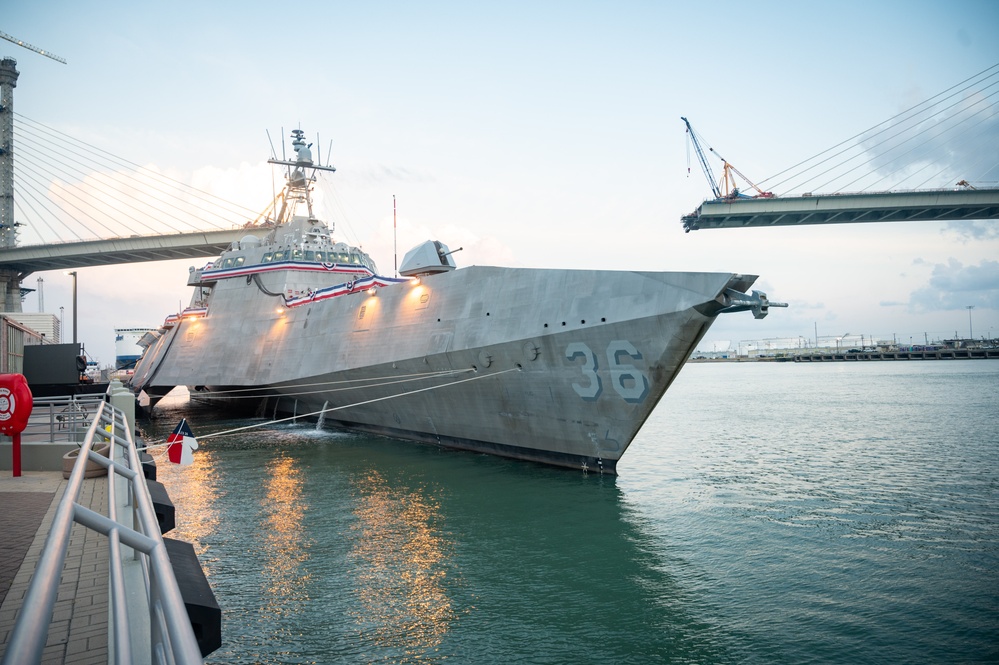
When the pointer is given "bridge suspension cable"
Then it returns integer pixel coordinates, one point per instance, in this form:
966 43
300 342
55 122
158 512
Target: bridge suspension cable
955 132
67 189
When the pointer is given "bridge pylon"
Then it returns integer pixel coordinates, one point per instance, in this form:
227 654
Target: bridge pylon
10 280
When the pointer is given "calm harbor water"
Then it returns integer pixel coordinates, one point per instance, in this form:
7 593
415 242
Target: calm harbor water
767 513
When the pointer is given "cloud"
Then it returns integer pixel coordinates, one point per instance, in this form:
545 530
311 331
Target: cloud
937 145
974 229
802 304
955 286
372 175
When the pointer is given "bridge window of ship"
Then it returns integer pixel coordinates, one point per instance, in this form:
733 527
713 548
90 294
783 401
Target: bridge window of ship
279 256
240 260
227 263
296 255
310 256
267 257
319 257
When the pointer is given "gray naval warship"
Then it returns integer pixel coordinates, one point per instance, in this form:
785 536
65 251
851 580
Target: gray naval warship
554 366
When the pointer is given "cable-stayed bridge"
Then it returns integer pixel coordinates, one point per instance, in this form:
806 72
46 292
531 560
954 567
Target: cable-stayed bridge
76 205
79 206
27 259
916 206
936 161
73 205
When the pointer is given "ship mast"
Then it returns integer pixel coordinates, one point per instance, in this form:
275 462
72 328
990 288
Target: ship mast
299 186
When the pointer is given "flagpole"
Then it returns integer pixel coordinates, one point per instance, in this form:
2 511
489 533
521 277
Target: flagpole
395 244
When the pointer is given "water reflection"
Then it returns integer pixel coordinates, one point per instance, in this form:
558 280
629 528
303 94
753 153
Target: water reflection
285 544
718 544
198 483
360 550
401 561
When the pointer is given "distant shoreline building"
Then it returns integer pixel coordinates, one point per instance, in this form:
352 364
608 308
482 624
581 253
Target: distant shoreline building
791 346
46 325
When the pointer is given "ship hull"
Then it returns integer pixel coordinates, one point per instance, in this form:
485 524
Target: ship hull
555 366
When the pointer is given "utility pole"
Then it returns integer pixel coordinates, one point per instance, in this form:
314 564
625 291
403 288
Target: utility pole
72 273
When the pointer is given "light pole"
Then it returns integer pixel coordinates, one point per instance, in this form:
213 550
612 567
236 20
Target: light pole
62 324
971 334
72 273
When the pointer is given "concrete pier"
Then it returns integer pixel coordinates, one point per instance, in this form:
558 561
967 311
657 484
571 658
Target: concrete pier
940 354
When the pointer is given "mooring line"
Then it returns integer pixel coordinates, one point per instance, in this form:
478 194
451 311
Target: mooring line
346 406
208 396
402 379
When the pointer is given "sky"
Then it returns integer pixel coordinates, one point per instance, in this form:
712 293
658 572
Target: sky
530 134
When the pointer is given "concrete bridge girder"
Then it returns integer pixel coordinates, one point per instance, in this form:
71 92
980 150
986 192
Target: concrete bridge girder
942 205
67 256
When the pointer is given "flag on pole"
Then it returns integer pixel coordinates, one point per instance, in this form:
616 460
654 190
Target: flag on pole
182 444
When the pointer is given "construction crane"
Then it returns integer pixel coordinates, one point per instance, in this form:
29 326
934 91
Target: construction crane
32 48
727 189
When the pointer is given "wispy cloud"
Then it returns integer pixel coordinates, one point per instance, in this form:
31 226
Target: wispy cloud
939 144
974 229
955 286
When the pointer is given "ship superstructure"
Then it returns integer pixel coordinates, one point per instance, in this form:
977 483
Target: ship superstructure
555 366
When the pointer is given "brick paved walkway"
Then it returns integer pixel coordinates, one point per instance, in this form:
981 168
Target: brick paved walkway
78 632
21 514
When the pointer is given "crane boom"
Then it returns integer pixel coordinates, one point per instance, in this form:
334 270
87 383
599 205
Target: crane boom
32 48
704 161
730 191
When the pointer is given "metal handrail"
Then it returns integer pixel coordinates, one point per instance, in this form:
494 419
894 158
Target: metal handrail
172 638
61 419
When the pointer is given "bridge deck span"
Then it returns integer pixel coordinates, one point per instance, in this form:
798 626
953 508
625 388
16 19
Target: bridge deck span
917 206
84 254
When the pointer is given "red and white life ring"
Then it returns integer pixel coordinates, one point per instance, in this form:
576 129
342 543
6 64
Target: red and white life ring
15 403
8 404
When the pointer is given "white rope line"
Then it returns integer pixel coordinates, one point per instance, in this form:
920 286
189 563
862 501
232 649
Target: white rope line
151 446
399 378
345 406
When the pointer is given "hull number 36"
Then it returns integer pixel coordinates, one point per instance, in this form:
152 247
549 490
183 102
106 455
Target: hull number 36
627 380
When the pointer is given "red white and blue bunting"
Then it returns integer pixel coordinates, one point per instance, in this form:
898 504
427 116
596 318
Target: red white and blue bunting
365 281
298 266
353 286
